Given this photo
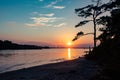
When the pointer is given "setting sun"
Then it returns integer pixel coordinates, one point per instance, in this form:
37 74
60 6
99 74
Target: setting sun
69 43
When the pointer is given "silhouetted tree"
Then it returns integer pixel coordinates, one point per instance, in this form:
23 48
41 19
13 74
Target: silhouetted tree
108 52
87 12
111 29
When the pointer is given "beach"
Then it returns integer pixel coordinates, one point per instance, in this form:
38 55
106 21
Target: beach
77 69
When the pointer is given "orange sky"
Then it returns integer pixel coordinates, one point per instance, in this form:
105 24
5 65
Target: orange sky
41 22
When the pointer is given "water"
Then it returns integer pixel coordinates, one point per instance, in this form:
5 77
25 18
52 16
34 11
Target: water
17 59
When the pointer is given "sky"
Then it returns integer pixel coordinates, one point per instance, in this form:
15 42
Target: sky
45 22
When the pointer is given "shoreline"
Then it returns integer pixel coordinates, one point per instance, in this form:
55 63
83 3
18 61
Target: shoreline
77 69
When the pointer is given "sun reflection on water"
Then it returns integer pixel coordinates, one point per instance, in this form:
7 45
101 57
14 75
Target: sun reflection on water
69 53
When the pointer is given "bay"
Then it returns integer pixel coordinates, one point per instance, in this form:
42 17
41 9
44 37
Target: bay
18 59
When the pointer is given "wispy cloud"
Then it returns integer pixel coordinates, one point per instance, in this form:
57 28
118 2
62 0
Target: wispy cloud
40 0
53 5
58 7
34 24
60 25
42 21
49 15
34 12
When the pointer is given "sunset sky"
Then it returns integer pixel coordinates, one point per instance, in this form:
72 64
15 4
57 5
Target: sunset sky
42 21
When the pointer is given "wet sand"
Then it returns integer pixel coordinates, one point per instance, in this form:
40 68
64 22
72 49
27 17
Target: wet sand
78 69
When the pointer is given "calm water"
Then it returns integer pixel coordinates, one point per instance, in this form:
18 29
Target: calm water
18 59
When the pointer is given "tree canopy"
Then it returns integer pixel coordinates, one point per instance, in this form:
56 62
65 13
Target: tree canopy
86 12
107 52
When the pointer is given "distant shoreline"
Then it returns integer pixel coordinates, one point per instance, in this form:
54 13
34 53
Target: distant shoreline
9 45
46 48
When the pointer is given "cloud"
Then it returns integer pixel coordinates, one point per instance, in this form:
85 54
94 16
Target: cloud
34 24
40 0
60 25
42 21
49 15
52 5
34 12
58 7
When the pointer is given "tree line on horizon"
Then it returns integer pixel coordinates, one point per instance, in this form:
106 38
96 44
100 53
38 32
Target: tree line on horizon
6 45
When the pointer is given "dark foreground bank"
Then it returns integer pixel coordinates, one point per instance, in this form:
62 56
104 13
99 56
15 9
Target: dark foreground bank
78 69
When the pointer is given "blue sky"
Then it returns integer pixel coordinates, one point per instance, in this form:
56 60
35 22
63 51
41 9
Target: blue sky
46 21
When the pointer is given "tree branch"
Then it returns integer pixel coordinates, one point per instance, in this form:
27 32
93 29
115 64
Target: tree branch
80 35
82 23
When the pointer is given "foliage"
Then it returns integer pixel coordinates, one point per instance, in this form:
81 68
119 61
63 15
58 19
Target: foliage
87 12
78 35
108 52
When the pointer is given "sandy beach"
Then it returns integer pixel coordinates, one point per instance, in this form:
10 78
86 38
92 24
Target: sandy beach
78 69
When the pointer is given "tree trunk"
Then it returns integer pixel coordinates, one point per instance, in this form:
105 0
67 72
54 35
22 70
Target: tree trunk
94 21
